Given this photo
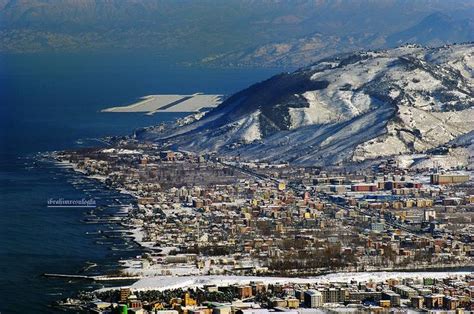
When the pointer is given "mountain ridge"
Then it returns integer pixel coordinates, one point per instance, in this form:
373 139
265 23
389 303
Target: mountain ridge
347 108
435 29
271 33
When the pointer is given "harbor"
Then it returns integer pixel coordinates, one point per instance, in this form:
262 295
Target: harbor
93 278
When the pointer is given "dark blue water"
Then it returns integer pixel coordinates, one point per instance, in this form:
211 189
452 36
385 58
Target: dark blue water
49 102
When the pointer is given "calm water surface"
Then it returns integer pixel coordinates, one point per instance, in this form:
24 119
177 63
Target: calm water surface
52 102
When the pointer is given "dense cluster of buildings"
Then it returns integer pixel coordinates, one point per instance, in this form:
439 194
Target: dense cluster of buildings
207 215
448 295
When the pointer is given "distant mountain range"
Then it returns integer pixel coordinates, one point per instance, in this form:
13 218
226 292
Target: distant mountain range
436 29
233 32
347 108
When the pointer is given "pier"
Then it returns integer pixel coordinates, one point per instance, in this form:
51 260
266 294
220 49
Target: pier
93 278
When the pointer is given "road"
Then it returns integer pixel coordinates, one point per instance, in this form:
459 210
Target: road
301 190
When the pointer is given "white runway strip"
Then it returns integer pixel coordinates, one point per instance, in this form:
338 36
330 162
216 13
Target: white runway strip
170 103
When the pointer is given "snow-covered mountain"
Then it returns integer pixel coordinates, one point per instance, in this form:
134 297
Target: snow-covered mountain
351 107
433 30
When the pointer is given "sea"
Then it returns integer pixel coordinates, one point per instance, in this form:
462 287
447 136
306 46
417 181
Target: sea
51 102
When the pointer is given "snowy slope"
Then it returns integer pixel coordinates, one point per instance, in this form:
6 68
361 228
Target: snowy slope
349 107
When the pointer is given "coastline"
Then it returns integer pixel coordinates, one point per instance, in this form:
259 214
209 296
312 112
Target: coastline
134 267
133 231
126 232
36 239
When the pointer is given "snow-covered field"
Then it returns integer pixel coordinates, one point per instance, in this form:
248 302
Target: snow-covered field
175 282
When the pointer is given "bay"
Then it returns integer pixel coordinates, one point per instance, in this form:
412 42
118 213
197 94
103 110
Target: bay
53 102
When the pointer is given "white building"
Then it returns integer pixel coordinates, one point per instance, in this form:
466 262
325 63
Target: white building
313 298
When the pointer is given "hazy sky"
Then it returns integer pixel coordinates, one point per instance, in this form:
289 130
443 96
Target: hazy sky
208 26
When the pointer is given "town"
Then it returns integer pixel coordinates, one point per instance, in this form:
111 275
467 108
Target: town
207 215
427 294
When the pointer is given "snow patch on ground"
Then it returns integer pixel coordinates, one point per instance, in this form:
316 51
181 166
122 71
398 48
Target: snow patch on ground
457 157
162 283
417 130
318 144
247 129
